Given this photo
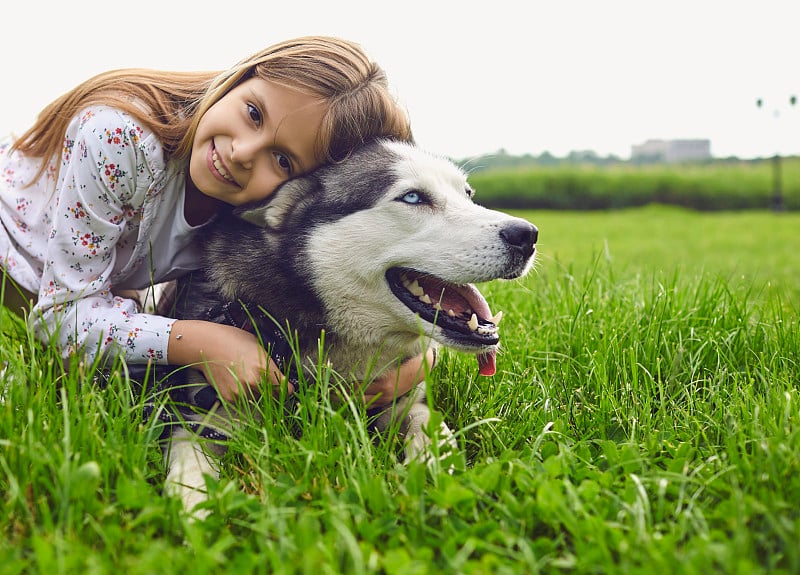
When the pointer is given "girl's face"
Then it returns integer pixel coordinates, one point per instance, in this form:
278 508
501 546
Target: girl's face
254 138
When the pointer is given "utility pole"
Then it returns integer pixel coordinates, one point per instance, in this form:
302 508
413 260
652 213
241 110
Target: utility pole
777 191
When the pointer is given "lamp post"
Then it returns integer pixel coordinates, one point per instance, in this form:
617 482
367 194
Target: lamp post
777 193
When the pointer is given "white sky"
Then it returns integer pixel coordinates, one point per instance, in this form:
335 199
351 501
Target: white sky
527 76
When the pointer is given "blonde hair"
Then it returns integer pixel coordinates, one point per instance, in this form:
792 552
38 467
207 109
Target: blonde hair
359 105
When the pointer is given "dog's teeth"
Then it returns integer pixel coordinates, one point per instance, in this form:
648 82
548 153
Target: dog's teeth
451 313
473 323
424 298
437 306
487 329
497 317
415 289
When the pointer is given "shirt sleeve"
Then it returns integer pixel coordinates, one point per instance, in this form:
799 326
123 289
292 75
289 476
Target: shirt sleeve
104 181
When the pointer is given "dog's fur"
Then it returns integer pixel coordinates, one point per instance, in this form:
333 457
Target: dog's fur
337 250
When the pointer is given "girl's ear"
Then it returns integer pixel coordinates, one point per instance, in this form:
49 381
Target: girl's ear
273 212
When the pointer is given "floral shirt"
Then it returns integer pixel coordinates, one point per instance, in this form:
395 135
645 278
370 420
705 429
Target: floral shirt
73 238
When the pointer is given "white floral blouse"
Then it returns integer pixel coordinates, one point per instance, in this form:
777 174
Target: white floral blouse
73 239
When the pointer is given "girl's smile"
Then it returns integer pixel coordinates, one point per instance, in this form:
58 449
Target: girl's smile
217 166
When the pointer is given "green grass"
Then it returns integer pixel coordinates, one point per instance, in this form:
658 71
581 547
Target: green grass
644 419
753 248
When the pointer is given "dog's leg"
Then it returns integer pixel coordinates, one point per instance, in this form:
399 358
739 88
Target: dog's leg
187 466
414 426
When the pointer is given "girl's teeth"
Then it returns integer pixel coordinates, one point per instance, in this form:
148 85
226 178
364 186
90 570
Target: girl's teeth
220 168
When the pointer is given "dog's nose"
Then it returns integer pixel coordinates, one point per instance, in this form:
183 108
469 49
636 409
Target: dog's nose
521 236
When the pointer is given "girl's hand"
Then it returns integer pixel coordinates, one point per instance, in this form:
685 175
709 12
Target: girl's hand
397 382
231 358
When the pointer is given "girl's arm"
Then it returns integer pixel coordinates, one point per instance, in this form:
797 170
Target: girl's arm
231 358
110 167
235 361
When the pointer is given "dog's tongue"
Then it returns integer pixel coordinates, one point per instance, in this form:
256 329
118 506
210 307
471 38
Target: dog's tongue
486 363
478 304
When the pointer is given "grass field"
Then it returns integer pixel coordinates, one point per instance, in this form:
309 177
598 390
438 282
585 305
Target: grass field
755 249
645 418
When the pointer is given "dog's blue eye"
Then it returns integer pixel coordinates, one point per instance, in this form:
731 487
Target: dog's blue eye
412 198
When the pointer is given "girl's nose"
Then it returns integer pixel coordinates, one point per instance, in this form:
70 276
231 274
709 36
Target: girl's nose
244 151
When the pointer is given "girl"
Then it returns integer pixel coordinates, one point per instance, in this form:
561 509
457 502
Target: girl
106 191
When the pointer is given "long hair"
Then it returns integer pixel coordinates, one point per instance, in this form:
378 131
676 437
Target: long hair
359 105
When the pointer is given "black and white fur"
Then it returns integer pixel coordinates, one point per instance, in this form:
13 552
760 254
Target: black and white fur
338 250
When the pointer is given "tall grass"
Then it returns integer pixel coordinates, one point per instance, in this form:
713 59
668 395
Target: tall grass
644 419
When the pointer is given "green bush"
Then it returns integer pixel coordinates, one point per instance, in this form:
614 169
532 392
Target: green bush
717 185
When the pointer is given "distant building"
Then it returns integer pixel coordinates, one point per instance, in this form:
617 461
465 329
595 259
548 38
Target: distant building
671 151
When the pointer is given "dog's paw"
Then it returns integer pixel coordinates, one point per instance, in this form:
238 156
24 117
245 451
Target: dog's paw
191 499
432 447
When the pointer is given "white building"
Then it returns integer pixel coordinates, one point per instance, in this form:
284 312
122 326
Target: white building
672 151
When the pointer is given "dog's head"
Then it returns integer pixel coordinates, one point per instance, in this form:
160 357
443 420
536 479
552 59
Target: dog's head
393 244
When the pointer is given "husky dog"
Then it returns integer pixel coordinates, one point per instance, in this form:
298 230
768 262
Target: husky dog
380 251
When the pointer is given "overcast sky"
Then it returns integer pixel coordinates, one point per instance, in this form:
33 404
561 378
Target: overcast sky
526 76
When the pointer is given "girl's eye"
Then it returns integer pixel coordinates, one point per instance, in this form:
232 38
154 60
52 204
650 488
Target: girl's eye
284 162
254 113
412 197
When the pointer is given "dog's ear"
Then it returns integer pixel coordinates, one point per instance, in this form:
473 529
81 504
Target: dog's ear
273 212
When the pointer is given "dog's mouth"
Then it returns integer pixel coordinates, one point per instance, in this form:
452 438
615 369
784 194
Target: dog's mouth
460 311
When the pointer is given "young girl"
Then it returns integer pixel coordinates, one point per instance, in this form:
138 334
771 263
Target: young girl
108 189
